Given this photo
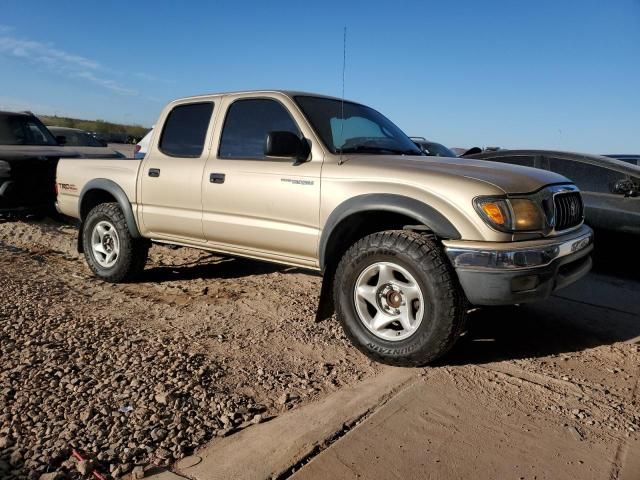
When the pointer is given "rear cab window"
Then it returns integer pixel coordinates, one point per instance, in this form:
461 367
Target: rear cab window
185 130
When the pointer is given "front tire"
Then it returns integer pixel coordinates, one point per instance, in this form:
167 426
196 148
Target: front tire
398 299
111 252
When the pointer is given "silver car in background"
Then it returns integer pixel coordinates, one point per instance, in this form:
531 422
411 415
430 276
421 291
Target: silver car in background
610 188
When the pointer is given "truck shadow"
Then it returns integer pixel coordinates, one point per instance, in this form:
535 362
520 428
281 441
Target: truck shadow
600 309
569 322
212 268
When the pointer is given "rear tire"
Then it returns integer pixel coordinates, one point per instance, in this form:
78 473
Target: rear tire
398 298
111 252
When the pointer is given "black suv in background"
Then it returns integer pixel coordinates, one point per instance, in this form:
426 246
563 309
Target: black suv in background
610 188
29 154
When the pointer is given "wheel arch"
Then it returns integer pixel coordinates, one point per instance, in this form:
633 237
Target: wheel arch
367 214
389 205
102 190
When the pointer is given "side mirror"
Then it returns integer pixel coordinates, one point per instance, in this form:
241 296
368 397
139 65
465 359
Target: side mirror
286 145
61 139
625 187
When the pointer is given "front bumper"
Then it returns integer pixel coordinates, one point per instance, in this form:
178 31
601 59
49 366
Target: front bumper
507 273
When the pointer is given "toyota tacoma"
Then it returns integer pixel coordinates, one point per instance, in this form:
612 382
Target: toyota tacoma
407 244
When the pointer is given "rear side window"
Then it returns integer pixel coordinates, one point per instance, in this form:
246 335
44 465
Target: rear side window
185 130
588 178
247 124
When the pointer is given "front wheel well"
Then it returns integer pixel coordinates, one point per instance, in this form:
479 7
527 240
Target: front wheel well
359 225
346 233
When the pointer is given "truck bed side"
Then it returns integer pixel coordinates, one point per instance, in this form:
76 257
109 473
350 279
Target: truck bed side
73 175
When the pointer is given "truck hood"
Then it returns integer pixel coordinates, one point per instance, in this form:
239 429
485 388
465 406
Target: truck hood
510 179
25 152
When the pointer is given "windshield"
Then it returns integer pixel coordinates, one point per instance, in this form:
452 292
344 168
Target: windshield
363 130
16 129
74 138
437 150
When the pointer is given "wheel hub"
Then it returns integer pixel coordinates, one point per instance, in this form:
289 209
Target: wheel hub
389 301
107 243
390 298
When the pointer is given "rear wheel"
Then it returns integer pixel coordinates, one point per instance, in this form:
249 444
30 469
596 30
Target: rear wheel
110 250
398 298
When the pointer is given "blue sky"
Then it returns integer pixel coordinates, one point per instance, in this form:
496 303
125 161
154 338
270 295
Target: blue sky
544 74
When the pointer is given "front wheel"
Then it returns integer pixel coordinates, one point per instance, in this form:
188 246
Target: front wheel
398 299
110 250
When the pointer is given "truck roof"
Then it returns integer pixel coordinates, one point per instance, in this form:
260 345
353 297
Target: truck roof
17 114
288 93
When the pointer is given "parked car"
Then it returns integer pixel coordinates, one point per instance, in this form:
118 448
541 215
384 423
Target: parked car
433 149
632 159
405 242
83 142
610 188
143 145
29 154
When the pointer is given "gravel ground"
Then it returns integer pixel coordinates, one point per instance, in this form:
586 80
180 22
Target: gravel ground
135 376
141 374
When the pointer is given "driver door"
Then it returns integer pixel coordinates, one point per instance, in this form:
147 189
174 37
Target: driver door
258 205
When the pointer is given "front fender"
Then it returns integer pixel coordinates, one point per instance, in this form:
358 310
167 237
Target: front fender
385 202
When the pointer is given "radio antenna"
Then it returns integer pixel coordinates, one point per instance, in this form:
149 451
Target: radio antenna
344 67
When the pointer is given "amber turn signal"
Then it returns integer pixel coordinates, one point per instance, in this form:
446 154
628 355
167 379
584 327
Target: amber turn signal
493 211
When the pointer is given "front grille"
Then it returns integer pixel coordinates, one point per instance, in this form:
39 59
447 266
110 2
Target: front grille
569 210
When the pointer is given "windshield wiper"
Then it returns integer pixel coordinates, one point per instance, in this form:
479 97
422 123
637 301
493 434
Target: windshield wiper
374 149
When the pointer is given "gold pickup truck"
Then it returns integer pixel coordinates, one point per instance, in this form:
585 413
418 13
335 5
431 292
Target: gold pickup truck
406 243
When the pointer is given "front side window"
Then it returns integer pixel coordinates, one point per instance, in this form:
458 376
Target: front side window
346 127
185 130
247 125
588 178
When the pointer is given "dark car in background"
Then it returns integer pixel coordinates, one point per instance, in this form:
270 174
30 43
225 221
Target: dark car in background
83 143
610 188
433 149
29 154
632 159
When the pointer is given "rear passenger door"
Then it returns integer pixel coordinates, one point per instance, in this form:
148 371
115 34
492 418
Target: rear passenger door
257 205
170 178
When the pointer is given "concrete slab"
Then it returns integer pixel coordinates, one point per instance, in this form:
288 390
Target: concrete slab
165 475
445 433
630 469
270 449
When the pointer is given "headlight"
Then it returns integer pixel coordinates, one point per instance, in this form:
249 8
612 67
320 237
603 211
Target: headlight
510 214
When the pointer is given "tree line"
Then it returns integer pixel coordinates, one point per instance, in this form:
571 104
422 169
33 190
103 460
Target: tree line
133 132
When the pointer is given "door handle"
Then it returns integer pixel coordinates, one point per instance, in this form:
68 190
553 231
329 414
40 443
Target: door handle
154 172
216 178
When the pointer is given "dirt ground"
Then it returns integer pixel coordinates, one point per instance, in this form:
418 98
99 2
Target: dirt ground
252 323
246 330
